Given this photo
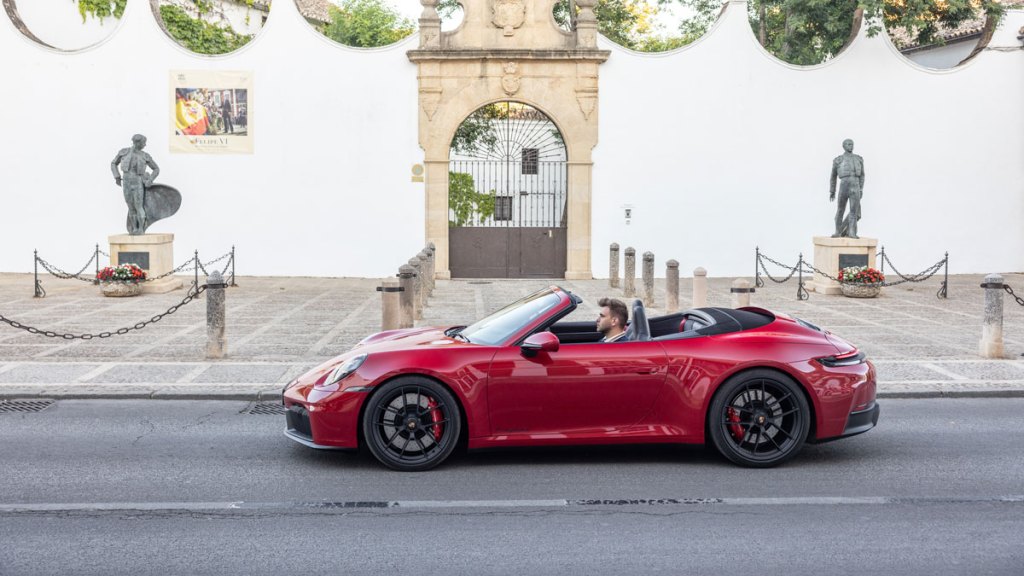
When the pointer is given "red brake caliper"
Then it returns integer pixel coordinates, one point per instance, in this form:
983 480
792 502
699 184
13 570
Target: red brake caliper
733 416
435 416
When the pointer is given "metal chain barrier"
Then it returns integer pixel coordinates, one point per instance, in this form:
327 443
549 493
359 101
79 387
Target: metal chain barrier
120 331
67 275
1020 301
183 268
803 267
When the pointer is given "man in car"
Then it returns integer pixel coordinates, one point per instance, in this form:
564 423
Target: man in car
611 321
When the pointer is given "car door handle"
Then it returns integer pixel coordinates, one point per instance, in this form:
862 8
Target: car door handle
647 371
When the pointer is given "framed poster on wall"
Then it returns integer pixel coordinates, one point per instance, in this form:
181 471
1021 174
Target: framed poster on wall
211 112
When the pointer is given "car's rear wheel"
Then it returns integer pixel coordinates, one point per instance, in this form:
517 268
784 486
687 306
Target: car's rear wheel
411 423
759 419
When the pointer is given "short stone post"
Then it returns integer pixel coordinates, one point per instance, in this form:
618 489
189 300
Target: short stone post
991 345
216 344
433 265
407 297
741 291
629 276
417 297
671 286
700 288
428 287
390 309
613 266
648 277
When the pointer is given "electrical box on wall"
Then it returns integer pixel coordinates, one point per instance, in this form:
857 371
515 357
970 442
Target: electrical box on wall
627 211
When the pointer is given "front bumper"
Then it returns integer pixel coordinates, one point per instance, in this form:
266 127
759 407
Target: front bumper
323 420
862 421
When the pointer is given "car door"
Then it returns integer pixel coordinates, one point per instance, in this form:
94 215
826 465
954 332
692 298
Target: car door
595 387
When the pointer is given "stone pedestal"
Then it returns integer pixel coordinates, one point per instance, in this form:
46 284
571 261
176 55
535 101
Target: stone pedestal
831 254
154 253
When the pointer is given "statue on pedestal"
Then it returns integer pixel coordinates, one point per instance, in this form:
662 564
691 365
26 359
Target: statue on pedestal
849 169
147 202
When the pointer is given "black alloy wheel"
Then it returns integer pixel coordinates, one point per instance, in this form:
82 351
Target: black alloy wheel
759 419
411 423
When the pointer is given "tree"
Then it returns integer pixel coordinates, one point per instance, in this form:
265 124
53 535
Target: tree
367 24
812 31
101 8
630 23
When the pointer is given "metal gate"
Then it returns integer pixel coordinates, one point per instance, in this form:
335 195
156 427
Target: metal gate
507 195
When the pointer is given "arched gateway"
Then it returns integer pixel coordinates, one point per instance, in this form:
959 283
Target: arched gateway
507 122
507 195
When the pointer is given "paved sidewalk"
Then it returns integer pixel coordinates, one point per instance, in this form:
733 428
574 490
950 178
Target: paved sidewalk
280 327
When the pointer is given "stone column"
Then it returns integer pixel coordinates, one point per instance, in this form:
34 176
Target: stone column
700 288
390 309
671 286
430 25
428 282
407 297
216 343
991 345
648 276
417 287
741 292
613 266
433 266
629 277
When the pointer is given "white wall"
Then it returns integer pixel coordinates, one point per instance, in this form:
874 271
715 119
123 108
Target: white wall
720 147
327 192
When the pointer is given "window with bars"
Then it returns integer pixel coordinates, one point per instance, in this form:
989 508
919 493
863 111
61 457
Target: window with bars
502 208
531 160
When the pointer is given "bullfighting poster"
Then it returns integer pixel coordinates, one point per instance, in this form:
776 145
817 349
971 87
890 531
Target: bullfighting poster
211 112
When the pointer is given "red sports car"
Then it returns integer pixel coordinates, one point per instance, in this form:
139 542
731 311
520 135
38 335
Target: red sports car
757 385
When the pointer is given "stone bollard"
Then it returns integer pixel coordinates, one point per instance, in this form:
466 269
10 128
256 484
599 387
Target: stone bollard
613 266
433 266
390 308
741 291
648 276
629 276
417 287
671 286
700 288
991 345
216 344
407 297
428 283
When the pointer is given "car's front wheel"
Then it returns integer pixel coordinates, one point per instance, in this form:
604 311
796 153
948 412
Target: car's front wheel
759 419
411 423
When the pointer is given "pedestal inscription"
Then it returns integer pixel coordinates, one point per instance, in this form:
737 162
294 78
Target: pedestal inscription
831 254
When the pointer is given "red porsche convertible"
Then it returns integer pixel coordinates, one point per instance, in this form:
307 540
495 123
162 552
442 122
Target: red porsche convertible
754 384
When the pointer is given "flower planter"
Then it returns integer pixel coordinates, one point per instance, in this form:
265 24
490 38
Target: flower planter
120 289
861 290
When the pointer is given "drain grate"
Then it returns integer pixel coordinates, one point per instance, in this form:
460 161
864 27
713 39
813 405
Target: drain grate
264 408
481 282
24 406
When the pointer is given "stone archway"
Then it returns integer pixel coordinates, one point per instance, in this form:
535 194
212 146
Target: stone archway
509 50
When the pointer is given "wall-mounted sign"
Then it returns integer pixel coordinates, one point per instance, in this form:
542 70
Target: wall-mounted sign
417 172
211 112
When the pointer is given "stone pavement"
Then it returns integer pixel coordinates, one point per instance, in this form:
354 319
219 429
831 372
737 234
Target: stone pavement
279 327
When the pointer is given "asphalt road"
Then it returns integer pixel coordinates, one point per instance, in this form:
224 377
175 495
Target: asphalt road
166 487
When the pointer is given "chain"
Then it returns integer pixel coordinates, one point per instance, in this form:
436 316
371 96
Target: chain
175 271
67 275
202 268
104 253
120 331
224 272
792 270
1015 297
914 277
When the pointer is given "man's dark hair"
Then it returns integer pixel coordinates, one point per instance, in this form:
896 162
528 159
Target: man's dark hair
617 308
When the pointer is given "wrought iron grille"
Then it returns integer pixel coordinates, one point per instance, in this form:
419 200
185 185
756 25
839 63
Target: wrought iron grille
508 169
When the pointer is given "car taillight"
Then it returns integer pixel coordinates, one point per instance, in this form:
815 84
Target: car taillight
851 358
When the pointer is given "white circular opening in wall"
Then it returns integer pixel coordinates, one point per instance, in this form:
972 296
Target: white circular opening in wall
941 36
373 23
211 27
66 25
647 25
804 33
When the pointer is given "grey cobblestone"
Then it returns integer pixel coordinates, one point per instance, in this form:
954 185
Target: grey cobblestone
280 327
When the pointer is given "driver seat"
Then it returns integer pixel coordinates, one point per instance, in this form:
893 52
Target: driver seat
639 330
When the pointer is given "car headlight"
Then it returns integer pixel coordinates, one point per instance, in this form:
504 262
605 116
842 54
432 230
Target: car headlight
344 370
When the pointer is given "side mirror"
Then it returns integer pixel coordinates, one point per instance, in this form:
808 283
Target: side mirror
540 342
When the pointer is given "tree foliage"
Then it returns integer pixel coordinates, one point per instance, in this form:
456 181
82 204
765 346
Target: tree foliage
367 24
465 204
200 36
101 9
630 23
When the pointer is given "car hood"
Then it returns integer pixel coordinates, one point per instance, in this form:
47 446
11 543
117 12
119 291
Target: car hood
407 338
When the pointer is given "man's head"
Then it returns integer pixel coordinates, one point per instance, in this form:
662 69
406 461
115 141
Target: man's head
848 145
138 141
611 321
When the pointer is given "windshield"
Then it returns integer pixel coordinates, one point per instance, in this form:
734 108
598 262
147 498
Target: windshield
501 325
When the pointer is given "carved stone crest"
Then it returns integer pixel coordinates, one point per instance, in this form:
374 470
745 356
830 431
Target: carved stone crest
509 15
511 81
